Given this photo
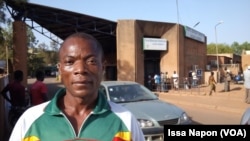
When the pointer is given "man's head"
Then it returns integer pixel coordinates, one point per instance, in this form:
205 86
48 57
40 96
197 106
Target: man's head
40 75
18 75
81 64
212 73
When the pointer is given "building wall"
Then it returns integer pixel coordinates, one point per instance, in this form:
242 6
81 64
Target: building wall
195 56
245 60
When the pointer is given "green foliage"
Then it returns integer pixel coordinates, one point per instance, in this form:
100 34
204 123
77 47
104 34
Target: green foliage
39 56
6 43
235 48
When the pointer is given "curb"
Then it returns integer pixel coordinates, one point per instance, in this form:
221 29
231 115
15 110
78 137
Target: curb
225 103
215 107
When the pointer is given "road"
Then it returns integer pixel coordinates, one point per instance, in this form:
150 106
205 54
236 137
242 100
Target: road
206 116
220 108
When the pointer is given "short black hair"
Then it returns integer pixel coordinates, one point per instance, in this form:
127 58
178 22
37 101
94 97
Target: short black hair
40 74
18 75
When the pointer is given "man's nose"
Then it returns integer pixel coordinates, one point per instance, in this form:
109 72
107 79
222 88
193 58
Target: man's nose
80 67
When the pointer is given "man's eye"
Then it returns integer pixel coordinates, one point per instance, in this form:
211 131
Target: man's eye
68 62
91 61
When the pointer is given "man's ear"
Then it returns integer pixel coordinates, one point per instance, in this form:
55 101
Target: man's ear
58 65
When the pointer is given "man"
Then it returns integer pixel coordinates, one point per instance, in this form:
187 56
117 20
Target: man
78 111
246 74
175 78
227 80
165 81
38 90
157 79
16 91
212 82
16 97
194 78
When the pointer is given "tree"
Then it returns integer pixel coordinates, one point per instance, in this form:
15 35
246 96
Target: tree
7 43
235 48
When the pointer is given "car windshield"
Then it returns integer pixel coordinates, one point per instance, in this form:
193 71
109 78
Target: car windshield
130 93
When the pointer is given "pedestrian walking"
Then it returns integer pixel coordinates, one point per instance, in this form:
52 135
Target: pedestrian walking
246 75
212 83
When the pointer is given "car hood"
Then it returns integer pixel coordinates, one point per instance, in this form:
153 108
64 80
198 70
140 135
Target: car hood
154 109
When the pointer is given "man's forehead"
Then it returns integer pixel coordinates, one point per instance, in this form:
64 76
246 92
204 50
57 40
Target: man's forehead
78 43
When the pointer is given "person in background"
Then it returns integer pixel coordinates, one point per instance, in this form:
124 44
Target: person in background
194 79
38 90
162 83
186 83
157 79
175 78
212 83
165 82
150 82
246 75
227 80
78 111
16 91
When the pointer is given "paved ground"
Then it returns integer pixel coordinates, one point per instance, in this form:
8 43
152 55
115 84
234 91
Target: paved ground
232 101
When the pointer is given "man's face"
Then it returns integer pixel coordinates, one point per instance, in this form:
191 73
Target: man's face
81 67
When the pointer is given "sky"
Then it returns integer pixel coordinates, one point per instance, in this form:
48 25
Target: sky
234 15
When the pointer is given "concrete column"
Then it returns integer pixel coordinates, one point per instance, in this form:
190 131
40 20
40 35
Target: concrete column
126 58
20 50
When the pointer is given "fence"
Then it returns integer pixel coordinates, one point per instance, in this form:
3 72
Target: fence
185 85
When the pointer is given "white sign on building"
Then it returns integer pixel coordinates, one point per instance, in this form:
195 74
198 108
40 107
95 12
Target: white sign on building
154 44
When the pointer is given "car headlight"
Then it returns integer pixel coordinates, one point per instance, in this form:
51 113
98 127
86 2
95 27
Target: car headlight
145 123
184 118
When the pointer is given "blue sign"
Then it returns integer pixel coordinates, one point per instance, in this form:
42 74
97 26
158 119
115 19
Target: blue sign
199 72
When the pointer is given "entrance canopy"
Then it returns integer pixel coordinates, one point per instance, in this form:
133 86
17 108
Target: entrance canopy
60 22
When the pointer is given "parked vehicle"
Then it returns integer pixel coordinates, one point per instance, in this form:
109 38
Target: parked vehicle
152 114
239 79
245 119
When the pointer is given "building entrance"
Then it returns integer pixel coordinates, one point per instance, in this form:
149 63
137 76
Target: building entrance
151 67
